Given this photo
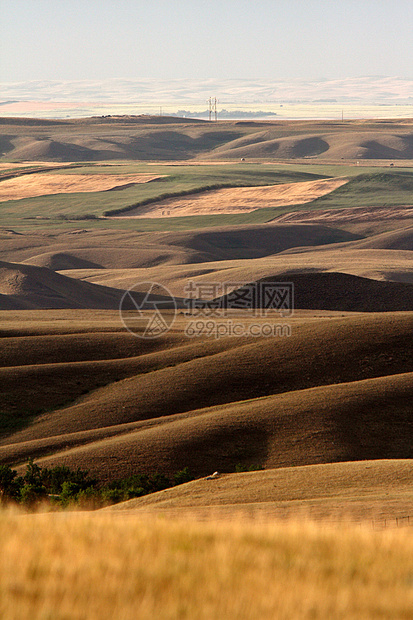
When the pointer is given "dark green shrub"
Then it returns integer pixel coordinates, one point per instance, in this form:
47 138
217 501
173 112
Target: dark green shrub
114 496
9 484
64 487
240 468
89 499
54 478
182 476
34 474
32 494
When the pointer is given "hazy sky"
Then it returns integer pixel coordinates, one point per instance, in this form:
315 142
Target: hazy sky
166 39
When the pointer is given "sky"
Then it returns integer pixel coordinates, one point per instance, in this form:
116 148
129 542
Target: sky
188 39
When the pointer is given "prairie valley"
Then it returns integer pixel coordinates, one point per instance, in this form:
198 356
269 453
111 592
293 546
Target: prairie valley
318 389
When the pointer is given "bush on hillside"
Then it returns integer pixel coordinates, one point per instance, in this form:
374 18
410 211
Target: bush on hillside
63 487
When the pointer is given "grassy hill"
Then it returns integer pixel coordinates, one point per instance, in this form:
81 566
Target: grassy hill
337 291
88 249
142 138
369 190
314 399
337 389
30 287
351 490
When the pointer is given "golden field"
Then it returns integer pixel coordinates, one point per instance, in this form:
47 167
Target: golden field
110 566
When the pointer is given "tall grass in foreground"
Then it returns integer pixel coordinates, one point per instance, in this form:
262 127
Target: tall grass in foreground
91 565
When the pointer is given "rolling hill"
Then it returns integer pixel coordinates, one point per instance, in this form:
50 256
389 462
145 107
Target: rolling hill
30 287
345 144
179 139
383 265
334 291
338 389
321 399
356 490
122 249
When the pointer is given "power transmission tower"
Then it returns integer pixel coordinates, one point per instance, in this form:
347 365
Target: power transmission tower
212 108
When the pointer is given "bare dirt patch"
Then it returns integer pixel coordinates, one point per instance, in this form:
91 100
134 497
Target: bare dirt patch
240 199
32 185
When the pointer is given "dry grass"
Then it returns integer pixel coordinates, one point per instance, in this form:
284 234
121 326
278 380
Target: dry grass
90 140
27 287
350 215
360 420
83 249
240 200
337 142
394 265
7 166
337 389
31 185
108 566
378 491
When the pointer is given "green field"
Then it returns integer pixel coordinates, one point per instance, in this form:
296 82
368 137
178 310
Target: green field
369 186
369 190
180 180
